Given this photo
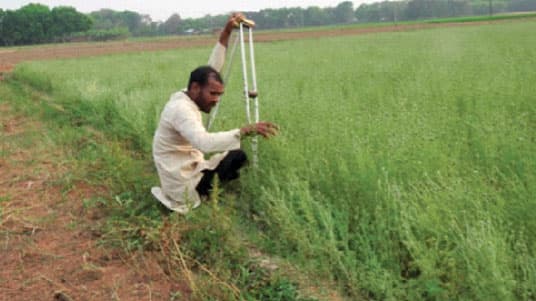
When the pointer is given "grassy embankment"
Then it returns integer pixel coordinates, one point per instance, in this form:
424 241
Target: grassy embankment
405 168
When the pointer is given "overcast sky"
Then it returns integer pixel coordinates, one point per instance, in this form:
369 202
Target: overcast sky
162 9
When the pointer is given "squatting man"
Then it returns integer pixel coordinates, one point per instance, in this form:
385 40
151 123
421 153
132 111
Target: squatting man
181 139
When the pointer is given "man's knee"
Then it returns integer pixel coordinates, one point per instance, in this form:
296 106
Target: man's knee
228 169
238 157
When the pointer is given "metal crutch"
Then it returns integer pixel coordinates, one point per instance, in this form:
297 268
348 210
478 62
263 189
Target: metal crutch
250 94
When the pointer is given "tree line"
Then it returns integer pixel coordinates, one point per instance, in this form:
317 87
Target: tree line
344 12
392 11
36 23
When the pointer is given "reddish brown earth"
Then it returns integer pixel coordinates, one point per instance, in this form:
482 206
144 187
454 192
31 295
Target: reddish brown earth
48 239
10 57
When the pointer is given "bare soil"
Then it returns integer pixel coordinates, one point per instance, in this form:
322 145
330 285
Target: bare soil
48 242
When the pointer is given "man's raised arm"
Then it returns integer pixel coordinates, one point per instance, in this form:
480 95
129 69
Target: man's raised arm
217 58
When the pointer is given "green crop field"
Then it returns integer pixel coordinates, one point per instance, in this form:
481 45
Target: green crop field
405 168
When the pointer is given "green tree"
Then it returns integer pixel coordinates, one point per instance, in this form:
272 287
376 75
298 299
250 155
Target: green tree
344 12
12 26
137 24
132 20
147 27
66 21
36 23
105 19
296 17
522 5
386 11
267 18
172 25
35 20
2 14
368 13
314 15
2 34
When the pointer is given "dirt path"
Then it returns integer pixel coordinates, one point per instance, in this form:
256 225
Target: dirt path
11 56
48 242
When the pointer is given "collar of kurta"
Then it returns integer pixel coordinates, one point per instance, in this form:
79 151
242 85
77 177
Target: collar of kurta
183 91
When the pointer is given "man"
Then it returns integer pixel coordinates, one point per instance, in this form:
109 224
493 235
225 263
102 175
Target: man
181 139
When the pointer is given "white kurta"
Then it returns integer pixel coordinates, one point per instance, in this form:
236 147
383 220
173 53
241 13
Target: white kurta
180 141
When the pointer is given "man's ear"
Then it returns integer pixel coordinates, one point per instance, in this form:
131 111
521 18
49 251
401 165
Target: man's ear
194 90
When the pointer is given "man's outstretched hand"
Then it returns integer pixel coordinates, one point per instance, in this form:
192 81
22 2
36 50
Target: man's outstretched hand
263 128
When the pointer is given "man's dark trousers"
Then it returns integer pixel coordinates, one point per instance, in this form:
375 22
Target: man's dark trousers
227 170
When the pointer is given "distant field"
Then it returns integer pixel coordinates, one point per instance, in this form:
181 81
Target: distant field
10 56
406 164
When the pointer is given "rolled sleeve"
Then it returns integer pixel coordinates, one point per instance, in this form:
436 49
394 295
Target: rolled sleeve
217 58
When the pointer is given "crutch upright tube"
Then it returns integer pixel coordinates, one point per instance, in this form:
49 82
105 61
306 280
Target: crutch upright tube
254 94
244 72
250 94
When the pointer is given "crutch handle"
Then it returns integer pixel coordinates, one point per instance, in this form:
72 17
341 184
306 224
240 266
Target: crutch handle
245 22
248 23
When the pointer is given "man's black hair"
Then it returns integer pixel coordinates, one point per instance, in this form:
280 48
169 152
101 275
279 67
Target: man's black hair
201 75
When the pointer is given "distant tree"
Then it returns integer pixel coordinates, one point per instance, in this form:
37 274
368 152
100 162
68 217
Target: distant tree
132 20
284 17
2 14
13 25
386 11
172 25
522 5
35 20
296 17
147 26
486 7
36 23
459 8
267 18
314 15
421 9
137 24
368 13
417 9
103 19
66 21
344 12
